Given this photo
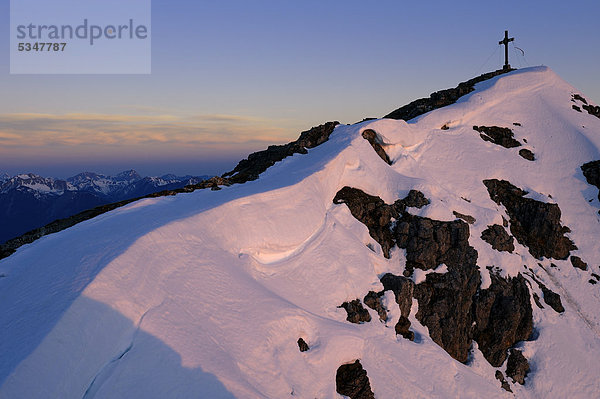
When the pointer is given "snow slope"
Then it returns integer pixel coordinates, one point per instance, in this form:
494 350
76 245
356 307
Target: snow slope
205 294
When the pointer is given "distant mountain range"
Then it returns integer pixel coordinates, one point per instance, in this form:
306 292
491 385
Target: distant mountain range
28 201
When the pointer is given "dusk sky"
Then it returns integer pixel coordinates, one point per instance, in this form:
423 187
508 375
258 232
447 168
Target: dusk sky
232 77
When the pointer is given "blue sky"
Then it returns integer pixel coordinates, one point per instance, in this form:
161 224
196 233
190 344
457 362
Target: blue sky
231 77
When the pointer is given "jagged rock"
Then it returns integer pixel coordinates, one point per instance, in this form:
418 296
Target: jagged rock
356 312
441 98
371 211
402 328
429 243
578 263
498 238
373 300
579 97
502 136
592 110
402 288
503 317
256 163
591 171
351 380
500 377
467 218
534 224
373 138
516 124
448 304
527 154
517 366
302 345
414 199
552 299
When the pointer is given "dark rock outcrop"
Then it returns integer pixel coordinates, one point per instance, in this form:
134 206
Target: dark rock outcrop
552 299
500 377
356 312
373 138
373 300
302 345
503 317
534 224
527 154
517 366
414 199
578 263
498 238
591 109
502 136
371 211
256 163
449 303
441 98
351 380
403 289
467 218
591 172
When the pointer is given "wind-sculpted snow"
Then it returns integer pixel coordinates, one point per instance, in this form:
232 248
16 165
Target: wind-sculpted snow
235 291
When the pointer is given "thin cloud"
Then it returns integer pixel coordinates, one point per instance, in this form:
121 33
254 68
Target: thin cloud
76 129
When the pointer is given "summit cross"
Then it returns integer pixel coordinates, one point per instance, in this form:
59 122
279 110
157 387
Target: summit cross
505 42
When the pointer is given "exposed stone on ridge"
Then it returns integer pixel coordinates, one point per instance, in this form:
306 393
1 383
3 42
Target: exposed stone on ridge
517 366
578 263
356 312
591 172
302 345
441 98
373 138
503 317
498 238
373 300
414 199
591 109
256 163
534 224
351 380
502 136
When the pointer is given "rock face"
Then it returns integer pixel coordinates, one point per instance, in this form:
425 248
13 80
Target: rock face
502 136
591 171
441 98
403 289
517 366
373 300
534 224
498 238
373 138
256 163
503 317
449 303
356 312
351 380
505 385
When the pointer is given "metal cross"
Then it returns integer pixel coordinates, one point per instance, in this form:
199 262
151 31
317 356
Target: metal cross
505 42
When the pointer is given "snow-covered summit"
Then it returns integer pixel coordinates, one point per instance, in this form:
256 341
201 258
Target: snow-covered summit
209 293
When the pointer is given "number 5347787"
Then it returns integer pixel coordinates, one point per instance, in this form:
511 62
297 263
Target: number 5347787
42 46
